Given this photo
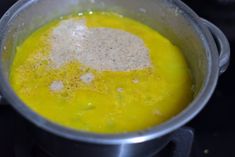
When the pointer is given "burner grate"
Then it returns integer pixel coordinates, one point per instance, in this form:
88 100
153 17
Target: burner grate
180 145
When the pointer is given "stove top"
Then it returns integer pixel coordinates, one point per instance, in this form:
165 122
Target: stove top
213 127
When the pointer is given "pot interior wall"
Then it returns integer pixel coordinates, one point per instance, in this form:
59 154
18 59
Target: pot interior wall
161 15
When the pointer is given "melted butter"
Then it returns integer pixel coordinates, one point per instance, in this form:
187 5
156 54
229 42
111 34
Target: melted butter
113 102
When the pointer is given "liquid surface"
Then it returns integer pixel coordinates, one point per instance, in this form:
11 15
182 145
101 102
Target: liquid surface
84 98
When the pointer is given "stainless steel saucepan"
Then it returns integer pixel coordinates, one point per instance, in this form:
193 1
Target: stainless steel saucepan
203 44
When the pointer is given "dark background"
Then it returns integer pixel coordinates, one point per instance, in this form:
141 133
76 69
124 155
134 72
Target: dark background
214 126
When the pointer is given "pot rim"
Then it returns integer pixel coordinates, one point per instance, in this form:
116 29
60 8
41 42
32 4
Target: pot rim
126 138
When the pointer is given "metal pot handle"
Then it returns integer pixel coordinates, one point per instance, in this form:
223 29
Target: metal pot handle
222 45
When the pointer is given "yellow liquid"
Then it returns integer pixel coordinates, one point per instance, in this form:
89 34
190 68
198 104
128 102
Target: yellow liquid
148 97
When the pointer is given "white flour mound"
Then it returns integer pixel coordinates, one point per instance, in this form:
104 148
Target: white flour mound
87 78
98 48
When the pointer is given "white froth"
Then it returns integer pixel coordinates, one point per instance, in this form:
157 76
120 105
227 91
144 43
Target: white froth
135 81
87 78
56 86
120 90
